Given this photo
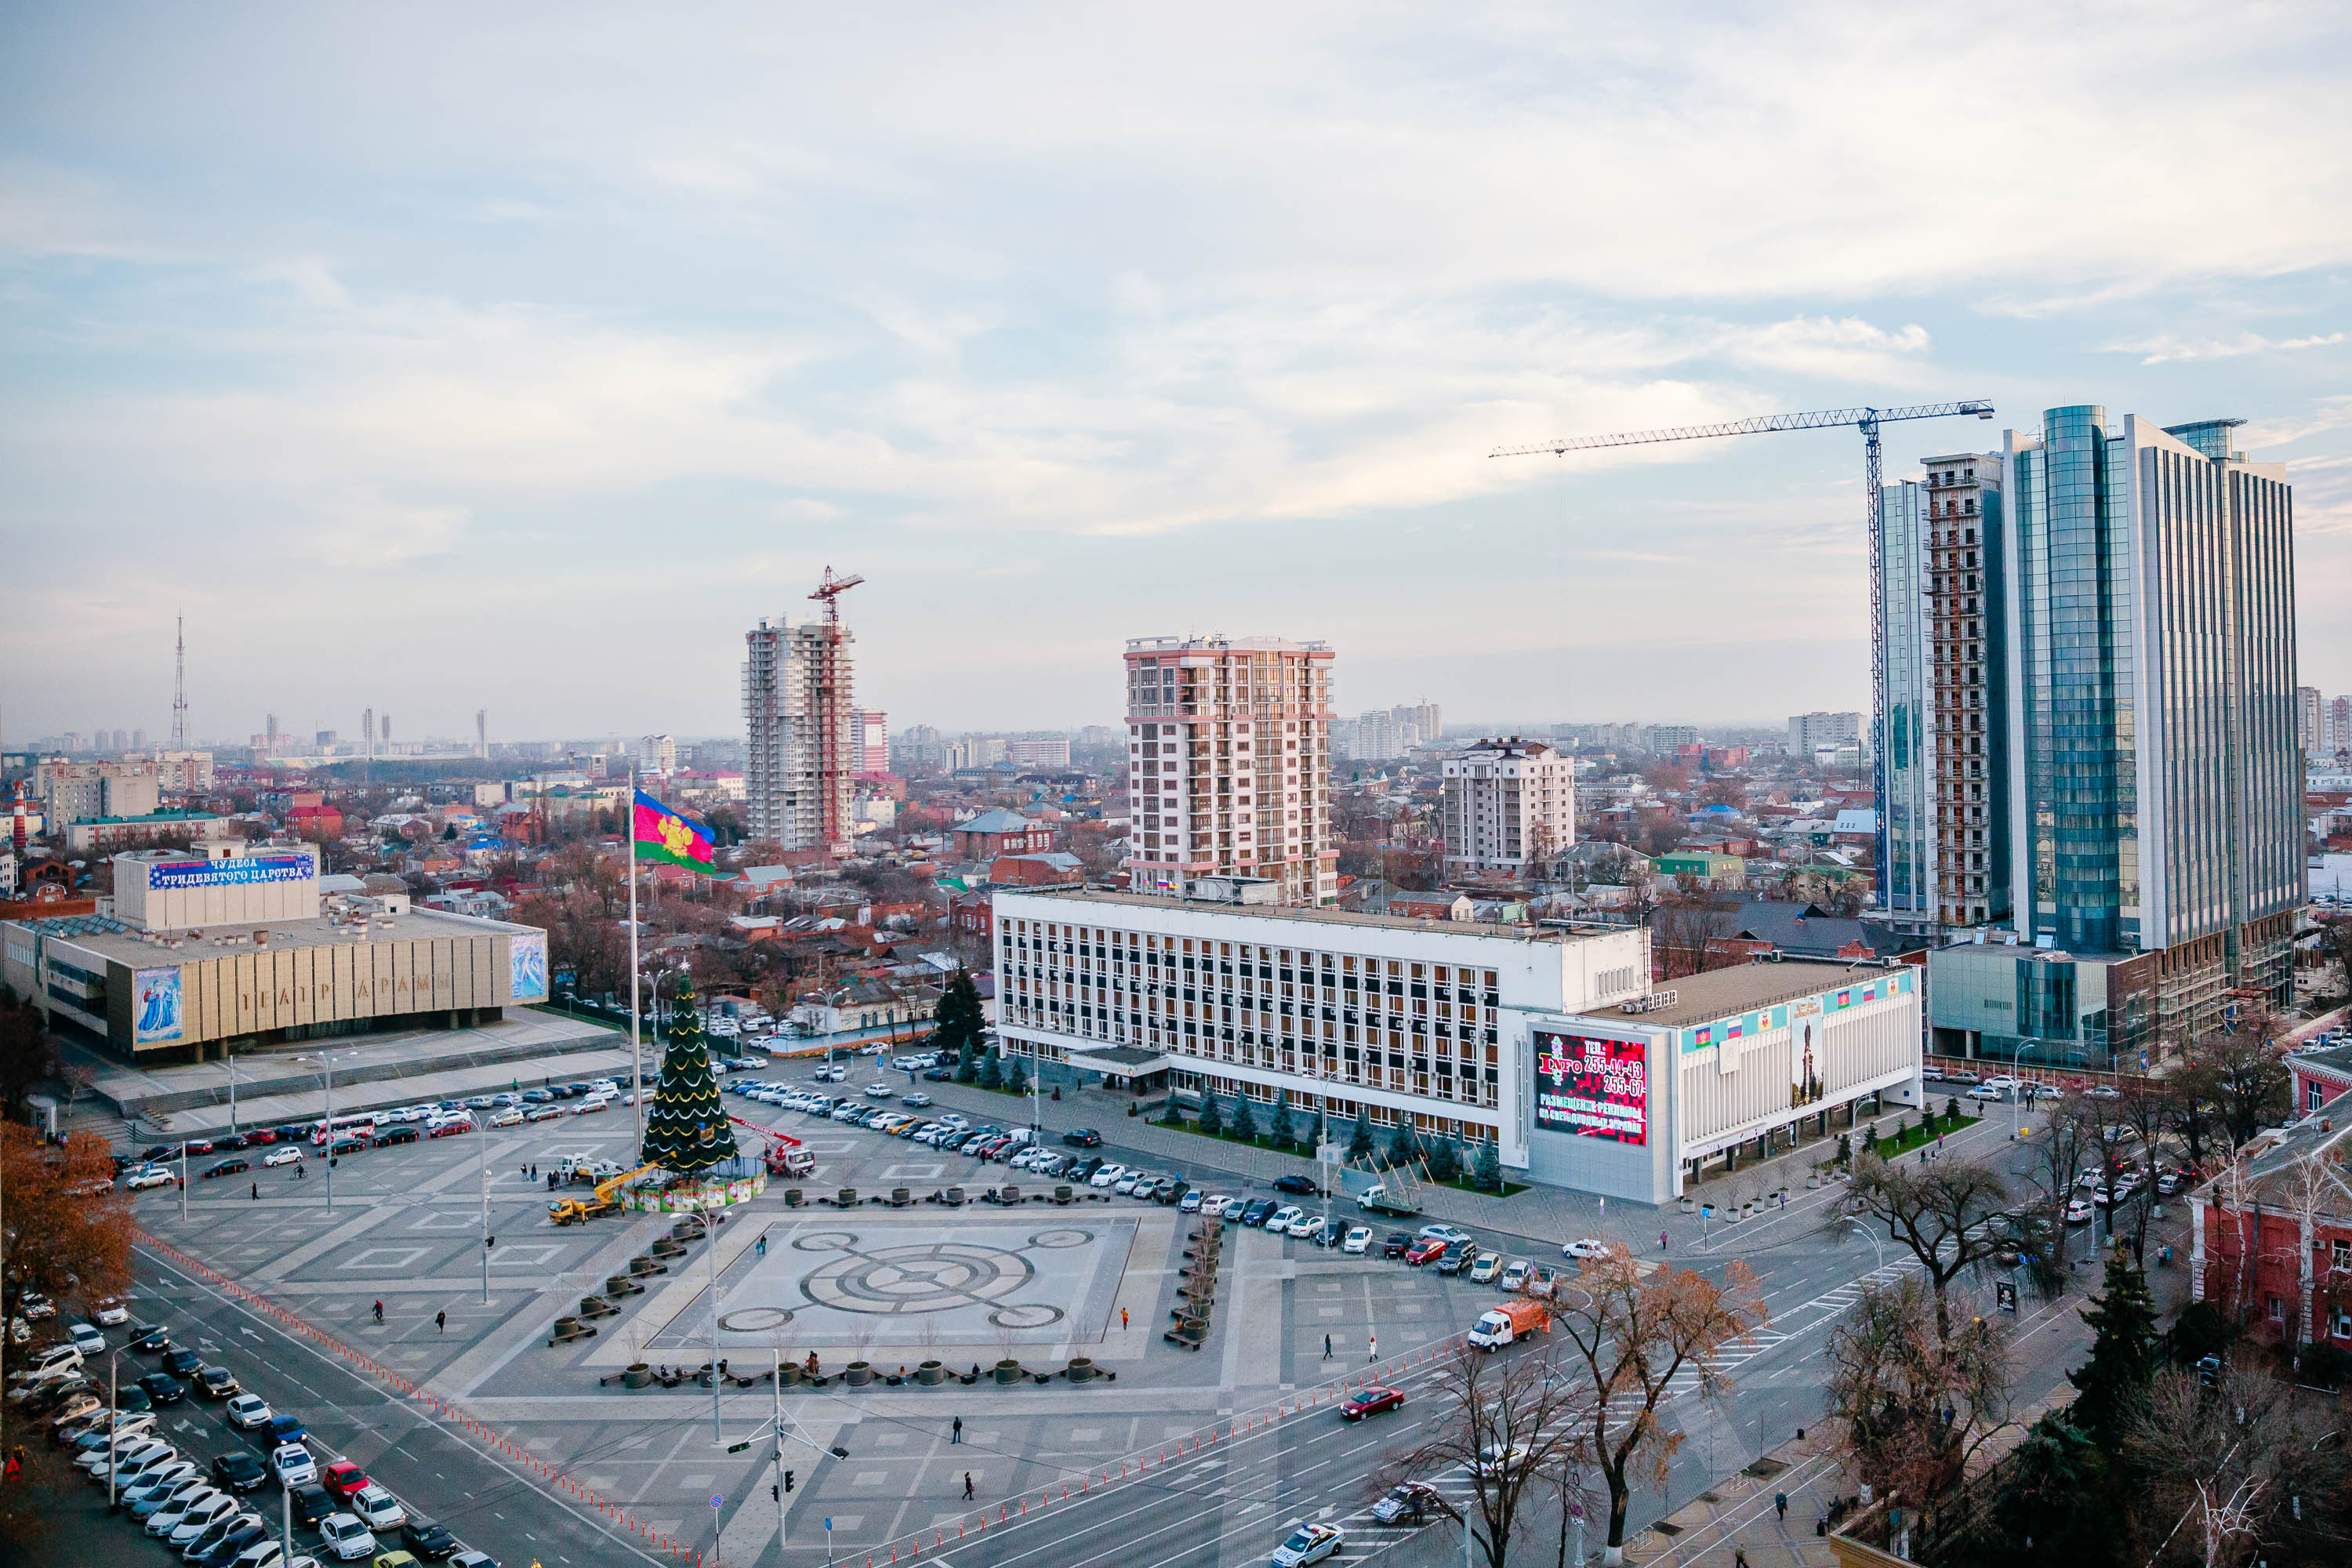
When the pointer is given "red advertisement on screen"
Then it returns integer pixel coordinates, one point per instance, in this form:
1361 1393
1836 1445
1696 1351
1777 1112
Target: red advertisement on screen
1594 1088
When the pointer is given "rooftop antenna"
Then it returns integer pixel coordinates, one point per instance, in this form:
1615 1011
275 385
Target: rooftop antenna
179 683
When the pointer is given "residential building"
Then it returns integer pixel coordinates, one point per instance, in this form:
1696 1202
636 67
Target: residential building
1509 804
1942 790
994 833
2154 833
799 746
2309 733
1548 1041
657 755
1381 734
1670 737
2271 1238
1427 719
2337 714
869 740
1710 871
1810 731
80 792
1229 764
1030 752
919 746
106 835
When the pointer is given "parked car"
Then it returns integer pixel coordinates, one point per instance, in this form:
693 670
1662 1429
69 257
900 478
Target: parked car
346 1537
1428 1249
1396 1244
247 1411
343 1478
1484 1271
240 1470
427 1539
1308 1543
1359 1241
293 1466
1083 1138
1589 1247
1298 1186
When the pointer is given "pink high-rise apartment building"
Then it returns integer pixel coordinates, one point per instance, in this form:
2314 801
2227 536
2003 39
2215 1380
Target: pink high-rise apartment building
1229 766
869 730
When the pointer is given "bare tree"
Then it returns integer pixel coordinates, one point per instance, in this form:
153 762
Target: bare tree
1625 1336
1945 1211
2228 1463
1913 1405
1505 1425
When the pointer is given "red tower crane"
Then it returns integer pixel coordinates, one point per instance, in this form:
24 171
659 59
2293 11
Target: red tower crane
830 589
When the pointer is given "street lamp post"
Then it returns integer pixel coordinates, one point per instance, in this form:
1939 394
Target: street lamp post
325 1061
2017 1093
482 1161
1878 1248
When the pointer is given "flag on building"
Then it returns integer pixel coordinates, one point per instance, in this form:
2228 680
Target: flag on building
660 834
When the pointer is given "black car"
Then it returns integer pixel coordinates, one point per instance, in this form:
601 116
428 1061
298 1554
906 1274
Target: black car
1171 1189
427 1540
181 1363
1298 1186
347 1143
939 1075
311 1504
396 1135
155 1151
131 1397
1255 1213
227 1168
1457 1257
164 1388
232 1546
215 1381
1083 1138
1397 1244
234 1140
240 1470
149 1337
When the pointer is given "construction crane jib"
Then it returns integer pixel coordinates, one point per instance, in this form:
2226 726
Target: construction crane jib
1868 421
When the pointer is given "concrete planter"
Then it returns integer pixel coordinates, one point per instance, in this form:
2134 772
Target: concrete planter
638 1376
1008 1371
791 1198
1082 1369
930 1374
858 1374
788 1375
847 1198
1688 1204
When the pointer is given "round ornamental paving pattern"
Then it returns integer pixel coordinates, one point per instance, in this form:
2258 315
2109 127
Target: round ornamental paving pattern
927 1277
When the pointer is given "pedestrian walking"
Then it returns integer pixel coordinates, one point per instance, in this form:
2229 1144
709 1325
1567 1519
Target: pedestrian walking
256 1191
1662 1241
1739 1558
761 1245
440 1323
1122 1317
1781 1504
378 1311
955 1433
967 1486
1373 1351
1327 1347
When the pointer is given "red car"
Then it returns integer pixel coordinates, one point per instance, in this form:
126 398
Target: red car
262 1135
1371 1402
1424 1251
343 1478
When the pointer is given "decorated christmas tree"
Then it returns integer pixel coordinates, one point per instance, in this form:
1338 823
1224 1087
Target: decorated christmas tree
685 1125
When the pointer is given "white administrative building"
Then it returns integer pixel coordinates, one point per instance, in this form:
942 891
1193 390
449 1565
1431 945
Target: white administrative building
1548 1040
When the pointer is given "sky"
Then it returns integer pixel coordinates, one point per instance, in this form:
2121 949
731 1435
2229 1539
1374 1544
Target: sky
433 358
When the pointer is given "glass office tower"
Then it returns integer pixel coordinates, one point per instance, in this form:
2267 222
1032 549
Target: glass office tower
2153 780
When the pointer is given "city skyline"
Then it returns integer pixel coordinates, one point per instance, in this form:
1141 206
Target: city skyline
477 378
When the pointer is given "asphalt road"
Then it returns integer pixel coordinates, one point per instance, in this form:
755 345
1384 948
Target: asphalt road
478 1496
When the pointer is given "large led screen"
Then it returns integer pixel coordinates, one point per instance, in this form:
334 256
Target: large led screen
1594 1088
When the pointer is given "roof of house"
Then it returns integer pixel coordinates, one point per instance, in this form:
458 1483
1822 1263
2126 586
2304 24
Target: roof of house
1699 997
996 821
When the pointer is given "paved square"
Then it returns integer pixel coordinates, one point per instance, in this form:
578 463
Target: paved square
938 1279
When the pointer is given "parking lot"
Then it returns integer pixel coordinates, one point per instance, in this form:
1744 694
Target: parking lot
1094 1277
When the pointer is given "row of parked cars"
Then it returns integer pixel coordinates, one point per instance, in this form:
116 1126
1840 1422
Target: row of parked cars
206 1511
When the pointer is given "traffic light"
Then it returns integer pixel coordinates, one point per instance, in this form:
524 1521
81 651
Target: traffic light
788 1481
489 1242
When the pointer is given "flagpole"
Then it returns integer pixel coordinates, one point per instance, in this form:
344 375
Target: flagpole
636 1049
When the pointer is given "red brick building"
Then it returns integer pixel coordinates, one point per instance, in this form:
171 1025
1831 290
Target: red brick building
2272 1236
973 915
995 832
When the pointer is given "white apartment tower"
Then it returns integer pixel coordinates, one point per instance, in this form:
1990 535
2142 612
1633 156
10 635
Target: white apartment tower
1508 803
1229 765
657 755
799 745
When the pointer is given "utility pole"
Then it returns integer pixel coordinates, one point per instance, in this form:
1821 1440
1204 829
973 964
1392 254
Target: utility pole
711 1241
482 1161
776 1382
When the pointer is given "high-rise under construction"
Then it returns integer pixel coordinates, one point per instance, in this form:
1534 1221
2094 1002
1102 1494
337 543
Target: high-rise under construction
799 745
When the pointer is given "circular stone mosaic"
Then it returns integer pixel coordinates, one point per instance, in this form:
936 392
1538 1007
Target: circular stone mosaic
756 1320
929 1276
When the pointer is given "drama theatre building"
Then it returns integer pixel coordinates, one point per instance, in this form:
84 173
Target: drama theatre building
1548 1040
227 944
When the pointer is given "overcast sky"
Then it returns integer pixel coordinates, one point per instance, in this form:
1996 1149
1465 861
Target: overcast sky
433 358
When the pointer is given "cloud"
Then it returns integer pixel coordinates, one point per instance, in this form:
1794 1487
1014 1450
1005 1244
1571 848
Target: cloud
2163 350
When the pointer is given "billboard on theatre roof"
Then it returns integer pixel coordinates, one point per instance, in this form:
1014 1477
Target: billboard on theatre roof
1593 1087
251 871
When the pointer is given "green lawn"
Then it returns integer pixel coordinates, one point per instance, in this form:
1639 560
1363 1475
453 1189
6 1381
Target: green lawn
1914 1137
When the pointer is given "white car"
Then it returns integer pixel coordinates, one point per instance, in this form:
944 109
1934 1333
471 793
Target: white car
1359 1240
292 1465
1126 1180
1107 1176
1452 1235
210 1502
1987 1092
1278 1222
376 1508
346 1537
512 1115
1303 1225
2078 1210
1308 1543
1589 1247
110 1314
955 1122
1214 1205
877 1092
148 1176
288 1155
196 1520
88 1340
154 1495
247 1411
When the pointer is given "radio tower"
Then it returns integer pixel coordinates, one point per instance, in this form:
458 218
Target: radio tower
179 683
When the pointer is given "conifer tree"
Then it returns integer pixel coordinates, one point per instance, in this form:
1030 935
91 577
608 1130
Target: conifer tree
1490 1164
1285 1133
1360 1137
991 1070
1213 1120
686 1123
2124 1353
1245 1125
959 1020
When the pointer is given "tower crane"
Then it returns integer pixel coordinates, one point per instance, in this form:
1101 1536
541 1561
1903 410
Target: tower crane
830 589
1869 420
